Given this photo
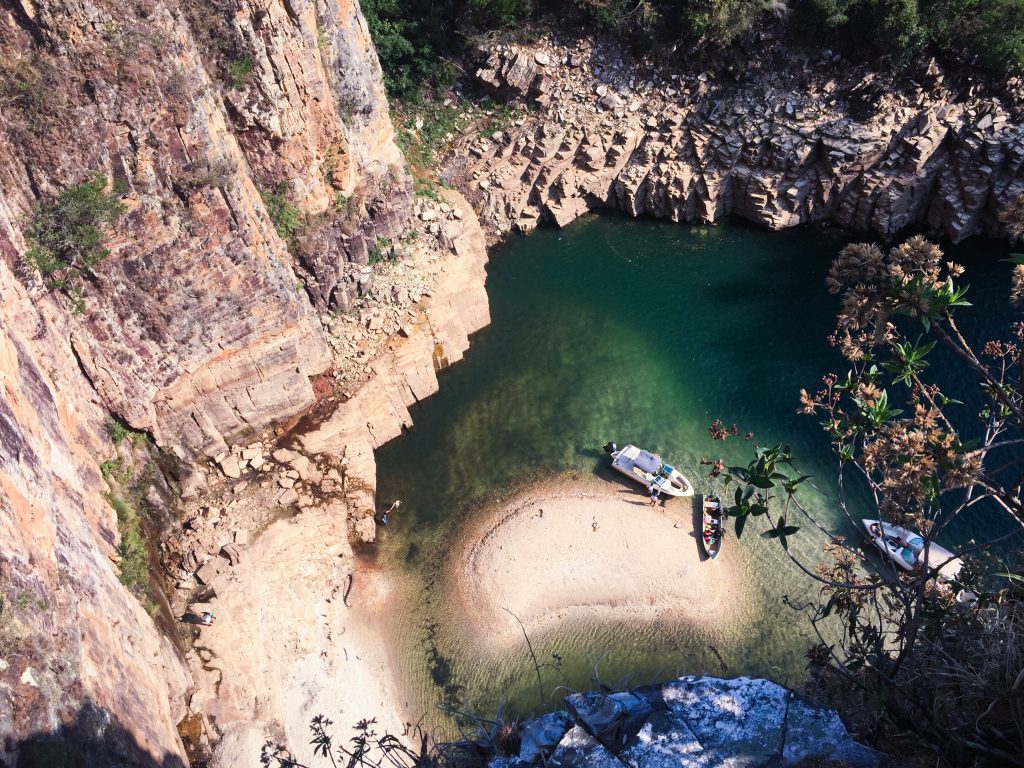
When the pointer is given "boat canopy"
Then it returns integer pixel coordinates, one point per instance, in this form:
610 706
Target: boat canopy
647 462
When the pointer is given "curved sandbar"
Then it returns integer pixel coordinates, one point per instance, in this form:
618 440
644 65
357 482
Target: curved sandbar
571 550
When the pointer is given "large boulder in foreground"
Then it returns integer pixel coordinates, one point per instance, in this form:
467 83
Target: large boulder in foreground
692 722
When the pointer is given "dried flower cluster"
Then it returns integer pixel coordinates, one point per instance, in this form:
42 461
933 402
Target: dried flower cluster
912 278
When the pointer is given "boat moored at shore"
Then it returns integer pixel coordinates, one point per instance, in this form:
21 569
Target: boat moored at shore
712 531
907 549
648 469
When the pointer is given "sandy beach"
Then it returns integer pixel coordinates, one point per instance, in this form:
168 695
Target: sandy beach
586 549
285 646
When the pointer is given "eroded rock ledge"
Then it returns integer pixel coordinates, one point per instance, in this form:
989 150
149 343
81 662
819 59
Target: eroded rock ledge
821 142
692 722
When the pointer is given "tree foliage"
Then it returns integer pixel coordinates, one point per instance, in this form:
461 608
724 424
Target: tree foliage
919 653
65 234
992 30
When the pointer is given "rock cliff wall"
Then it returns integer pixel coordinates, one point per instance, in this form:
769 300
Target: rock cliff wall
811 143
79 657
200 325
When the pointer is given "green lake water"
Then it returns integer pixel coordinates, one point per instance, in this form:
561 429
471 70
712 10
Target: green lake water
632 331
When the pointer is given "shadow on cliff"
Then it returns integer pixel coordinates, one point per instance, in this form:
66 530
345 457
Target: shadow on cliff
94 739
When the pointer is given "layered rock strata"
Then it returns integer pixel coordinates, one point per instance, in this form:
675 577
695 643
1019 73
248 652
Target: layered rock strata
827 142
692 722
435 337
80 661
199 325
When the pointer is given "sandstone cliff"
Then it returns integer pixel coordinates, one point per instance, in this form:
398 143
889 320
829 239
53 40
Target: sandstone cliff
808 144
201 325
79 657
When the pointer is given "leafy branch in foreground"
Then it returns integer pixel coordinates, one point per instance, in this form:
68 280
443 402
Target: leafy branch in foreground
368 749
65 234
905 654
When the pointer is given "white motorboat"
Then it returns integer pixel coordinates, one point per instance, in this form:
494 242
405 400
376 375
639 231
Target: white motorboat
907 549
648 469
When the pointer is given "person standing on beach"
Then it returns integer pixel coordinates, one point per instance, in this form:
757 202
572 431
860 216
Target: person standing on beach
654 495
388 511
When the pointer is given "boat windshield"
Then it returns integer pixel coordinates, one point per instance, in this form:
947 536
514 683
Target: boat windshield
647 462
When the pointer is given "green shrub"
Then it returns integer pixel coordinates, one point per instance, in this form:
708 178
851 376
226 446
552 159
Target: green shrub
999 39
719 22
118 431
992 30
410 36
132 549
286 217
115 470
65 234
380 250
239 71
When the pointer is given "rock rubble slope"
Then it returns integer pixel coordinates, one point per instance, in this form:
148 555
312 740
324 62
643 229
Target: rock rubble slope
826 142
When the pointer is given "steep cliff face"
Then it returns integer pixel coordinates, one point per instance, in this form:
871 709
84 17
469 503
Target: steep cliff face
79 657
785 148
199 325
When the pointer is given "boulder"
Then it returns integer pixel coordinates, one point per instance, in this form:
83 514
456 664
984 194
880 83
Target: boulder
305 468
612 719
816 732
540 738
665 741
230 467
230 551
740 719
207 572
366 529
283 455
578 749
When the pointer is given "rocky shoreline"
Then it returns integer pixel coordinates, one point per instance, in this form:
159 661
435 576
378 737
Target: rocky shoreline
826 141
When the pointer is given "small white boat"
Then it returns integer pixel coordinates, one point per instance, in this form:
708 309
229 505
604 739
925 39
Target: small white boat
648 469
907 549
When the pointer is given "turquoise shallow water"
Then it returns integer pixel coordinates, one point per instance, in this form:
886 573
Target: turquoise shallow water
632 331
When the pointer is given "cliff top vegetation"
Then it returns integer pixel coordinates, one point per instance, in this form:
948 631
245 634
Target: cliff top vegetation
414 37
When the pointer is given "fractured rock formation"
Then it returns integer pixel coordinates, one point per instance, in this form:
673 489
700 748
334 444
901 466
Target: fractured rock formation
774 151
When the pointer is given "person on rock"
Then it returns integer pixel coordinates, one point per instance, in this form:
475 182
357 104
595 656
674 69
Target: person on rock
208 618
